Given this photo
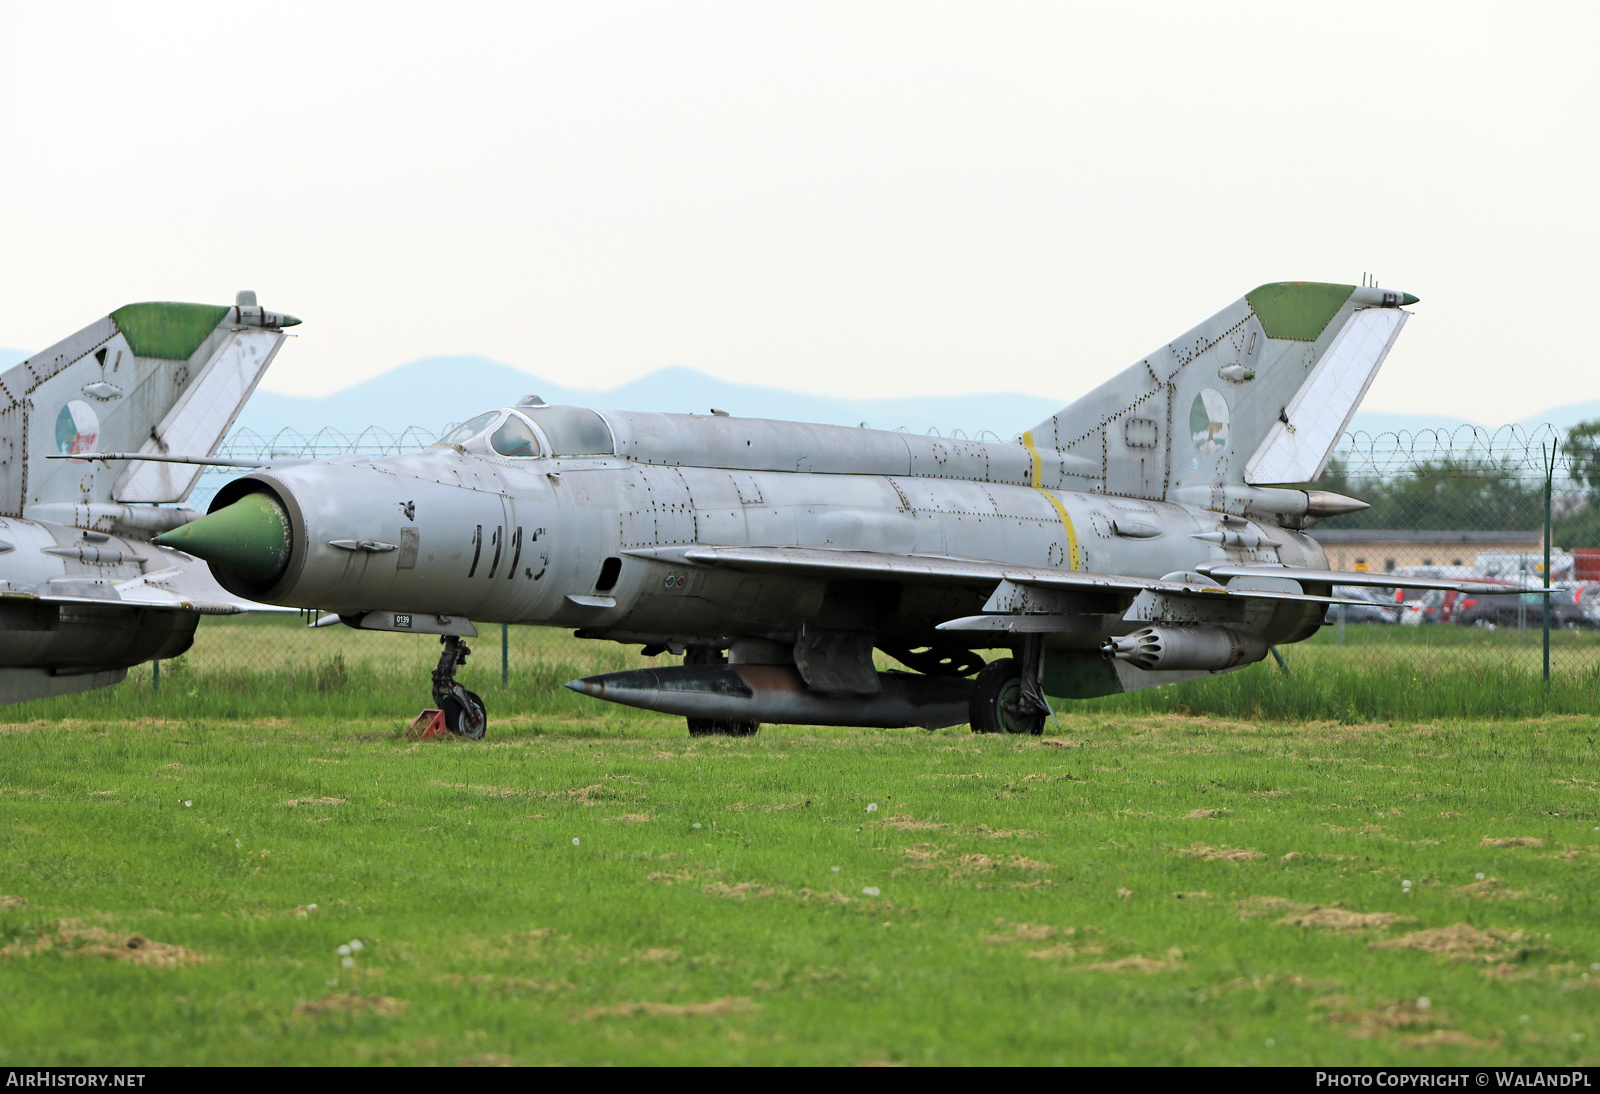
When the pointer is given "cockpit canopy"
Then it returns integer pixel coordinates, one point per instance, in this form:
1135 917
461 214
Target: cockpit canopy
536 431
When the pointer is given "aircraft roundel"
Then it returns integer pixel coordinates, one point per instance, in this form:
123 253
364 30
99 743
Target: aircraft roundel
77 428
1208 421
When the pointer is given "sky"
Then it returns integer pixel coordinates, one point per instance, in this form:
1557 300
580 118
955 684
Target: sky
866 198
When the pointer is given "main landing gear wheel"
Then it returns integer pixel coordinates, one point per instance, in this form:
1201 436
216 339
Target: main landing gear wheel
710 727
997 704
464 713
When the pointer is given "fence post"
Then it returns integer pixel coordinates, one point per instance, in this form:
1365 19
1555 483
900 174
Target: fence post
1549 474
505 656
1522 605
155 676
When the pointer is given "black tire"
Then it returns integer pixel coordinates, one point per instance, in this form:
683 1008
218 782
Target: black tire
994 695
710 727
457 721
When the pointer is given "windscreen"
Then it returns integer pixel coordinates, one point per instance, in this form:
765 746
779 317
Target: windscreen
468 429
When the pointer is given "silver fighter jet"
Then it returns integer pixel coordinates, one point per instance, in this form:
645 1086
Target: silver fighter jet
84 595
1138 537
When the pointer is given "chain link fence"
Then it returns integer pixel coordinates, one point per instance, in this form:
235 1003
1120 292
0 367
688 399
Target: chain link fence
1469 504
1504 510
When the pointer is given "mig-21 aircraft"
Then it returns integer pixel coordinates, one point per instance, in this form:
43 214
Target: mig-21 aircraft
1141 536
84 594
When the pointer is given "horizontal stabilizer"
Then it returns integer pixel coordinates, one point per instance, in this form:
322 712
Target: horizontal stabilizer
1357 577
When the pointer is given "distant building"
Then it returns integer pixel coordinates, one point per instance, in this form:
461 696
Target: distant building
1387 549
1586 563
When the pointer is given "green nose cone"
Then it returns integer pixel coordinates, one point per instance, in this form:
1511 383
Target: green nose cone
251 537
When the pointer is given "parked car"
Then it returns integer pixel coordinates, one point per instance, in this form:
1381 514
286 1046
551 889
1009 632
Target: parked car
1586 595
1428 607
1504 610
1415 606
1441 605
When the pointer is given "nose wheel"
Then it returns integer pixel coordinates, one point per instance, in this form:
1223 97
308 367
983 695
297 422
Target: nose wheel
464 714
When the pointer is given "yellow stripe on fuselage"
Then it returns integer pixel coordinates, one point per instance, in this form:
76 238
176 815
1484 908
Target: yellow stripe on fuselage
1073 558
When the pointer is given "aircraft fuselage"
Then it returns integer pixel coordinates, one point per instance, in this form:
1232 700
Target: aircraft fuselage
526 540
1134 538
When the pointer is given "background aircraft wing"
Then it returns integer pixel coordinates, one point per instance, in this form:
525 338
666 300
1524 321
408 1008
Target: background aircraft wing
189 587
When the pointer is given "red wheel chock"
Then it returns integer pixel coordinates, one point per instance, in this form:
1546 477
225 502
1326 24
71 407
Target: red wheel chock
427 726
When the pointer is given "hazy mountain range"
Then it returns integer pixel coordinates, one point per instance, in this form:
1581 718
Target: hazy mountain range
438 391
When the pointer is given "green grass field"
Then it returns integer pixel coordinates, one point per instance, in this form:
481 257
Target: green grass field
271 666
1151 882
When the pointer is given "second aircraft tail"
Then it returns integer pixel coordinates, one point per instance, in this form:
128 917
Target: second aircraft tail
156 378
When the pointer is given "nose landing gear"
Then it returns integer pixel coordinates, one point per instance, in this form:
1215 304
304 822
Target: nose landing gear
464 714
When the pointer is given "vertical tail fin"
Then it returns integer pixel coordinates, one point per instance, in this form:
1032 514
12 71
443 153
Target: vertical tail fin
1259 393
155 378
